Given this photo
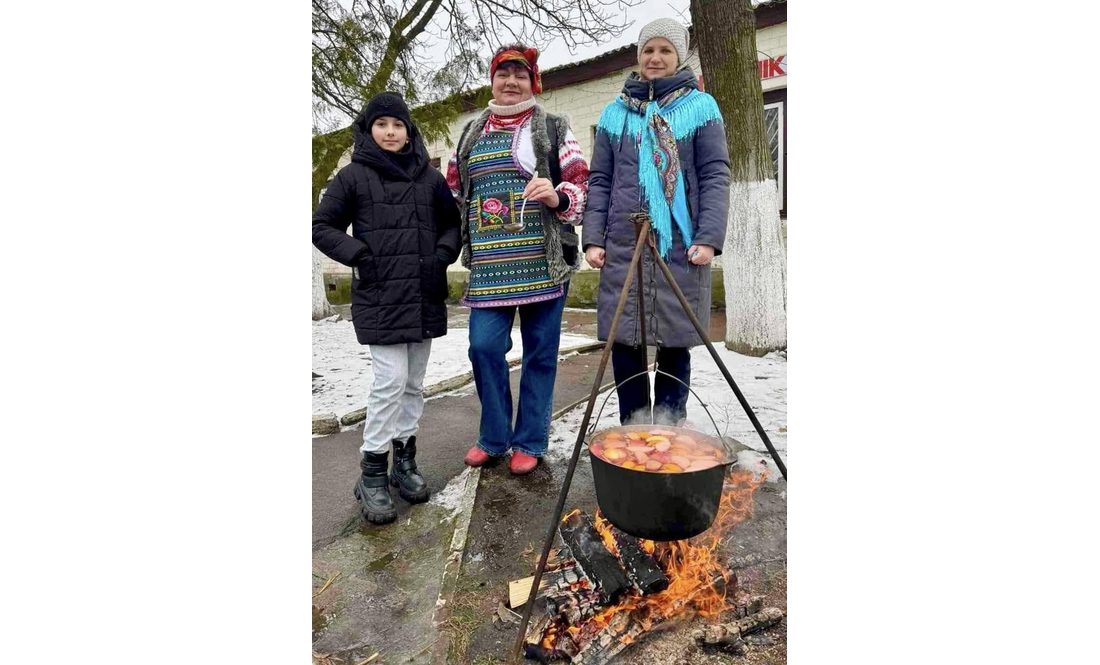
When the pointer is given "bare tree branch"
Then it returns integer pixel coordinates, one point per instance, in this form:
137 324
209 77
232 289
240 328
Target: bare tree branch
434 49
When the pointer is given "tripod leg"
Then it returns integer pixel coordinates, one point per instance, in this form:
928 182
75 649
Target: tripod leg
714 354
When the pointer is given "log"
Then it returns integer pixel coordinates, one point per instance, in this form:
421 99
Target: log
565 644
765 618
600 565
731 633
573 607
749 606
609 642
555 644
540 653
617 630
718 581
641 568
536 629
552 582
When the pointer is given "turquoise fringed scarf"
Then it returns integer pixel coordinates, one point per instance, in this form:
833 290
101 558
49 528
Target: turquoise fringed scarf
661 123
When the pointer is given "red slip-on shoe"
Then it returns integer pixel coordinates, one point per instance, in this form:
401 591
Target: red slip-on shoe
522 463
476 457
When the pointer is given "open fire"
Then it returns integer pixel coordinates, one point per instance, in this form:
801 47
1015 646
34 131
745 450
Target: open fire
607 588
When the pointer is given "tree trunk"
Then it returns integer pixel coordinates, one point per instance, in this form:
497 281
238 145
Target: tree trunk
753 260
321 306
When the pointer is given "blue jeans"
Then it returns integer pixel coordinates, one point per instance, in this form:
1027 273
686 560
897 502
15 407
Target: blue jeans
634 398
490 342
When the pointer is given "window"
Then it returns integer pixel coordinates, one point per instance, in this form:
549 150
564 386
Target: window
775 125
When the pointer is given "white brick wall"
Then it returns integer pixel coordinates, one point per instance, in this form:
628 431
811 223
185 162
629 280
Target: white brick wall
582 104
772 42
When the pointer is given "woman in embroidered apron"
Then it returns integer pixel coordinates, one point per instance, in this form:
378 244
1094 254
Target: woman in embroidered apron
520 247
660 148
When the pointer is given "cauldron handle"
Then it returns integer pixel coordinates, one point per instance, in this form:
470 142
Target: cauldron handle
596 422
599 414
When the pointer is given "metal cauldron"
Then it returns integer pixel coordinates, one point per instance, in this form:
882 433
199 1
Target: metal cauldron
660 506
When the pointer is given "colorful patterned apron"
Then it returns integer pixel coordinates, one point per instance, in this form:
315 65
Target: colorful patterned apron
507 267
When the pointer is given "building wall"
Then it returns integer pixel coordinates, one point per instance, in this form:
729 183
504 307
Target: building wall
582 103
772 42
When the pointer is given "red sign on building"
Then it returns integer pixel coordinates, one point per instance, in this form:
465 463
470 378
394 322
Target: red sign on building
769 68
772 67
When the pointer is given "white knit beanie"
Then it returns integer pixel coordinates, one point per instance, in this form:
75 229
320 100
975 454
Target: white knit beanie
671 30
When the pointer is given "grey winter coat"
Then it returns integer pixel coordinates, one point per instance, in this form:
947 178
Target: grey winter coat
614 192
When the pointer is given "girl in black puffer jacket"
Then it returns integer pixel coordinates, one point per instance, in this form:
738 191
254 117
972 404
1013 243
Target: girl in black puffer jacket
405 232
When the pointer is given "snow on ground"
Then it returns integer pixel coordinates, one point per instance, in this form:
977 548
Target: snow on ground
450 497
345 365
763 382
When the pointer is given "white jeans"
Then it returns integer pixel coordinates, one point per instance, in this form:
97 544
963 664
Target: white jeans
397 395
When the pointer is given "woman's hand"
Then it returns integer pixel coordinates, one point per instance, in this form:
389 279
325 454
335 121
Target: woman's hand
595 256
542 190
700 255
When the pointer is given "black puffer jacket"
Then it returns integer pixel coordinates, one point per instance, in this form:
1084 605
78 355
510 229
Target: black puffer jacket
405 232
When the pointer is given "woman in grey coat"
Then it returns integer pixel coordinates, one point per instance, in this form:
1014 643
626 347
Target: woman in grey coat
660 148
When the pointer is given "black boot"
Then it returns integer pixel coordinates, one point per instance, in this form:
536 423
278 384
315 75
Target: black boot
408 481
371 489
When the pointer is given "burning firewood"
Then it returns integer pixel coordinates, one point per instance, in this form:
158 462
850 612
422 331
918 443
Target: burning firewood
572 607
635 586
641 567
625 626
618 635
730 634
598 563
545 643
533 638
540 653
568 575
720 583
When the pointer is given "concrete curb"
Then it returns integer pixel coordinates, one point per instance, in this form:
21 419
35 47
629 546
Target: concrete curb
453 566
324 423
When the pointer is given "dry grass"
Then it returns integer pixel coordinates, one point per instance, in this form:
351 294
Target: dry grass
470 609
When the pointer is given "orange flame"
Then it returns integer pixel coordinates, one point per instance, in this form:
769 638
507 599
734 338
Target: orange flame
691 565
604 529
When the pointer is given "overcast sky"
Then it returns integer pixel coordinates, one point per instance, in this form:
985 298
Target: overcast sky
643 13
558 54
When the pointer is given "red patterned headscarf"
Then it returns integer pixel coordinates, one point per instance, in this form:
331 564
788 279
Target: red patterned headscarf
528 59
